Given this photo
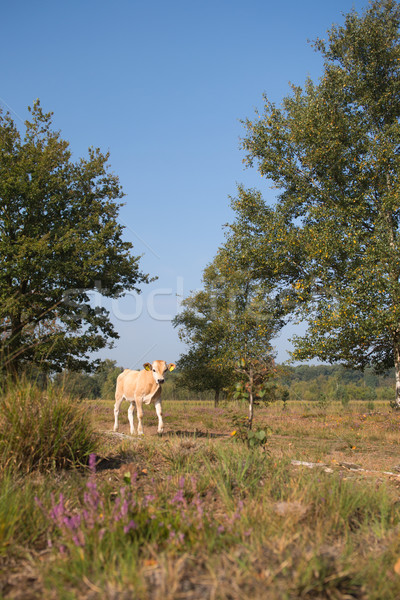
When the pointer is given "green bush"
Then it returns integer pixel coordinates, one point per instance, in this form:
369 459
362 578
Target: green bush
43 430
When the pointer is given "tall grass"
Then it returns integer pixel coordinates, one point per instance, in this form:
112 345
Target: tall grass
21 521
43 430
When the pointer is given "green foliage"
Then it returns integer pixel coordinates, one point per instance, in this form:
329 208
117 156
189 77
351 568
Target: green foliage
257 438
106 376
285 398
60 242
255 380
330 246
227 322
370 405
197 372
99 384
323 402
77 384
309 382
43 430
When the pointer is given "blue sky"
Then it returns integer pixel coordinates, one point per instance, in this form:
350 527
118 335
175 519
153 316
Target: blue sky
162 86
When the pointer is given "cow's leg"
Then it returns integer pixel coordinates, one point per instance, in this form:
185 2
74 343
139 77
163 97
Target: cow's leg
131 410
159 415
139 406
118 400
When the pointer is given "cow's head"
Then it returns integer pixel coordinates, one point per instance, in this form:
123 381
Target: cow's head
159 368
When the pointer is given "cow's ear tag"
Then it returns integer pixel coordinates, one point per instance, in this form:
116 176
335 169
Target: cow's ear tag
171 367
147 366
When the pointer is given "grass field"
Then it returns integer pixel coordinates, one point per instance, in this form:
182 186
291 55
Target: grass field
197 514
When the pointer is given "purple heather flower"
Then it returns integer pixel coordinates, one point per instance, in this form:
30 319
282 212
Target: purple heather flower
131 525
248 533
72 523
79 539
147 499
92 463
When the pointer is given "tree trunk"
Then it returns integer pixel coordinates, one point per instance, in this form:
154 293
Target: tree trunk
13 348
251 409
396 403
251 399
216 399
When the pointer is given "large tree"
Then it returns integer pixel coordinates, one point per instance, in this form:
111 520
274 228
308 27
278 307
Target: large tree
330 244
60 239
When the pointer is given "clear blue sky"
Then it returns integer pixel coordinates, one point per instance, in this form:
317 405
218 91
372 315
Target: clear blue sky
162 86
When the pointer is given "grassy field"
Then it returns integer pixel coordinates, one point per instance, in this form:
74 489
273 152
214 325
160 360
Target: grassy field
197 514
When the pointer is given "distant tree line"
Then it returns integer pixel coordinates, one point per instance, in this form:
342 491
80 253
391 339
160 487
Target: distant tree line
335 382
305 382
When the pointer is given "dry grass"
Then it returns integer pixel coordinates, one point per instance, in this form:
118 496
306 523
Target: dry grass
226 522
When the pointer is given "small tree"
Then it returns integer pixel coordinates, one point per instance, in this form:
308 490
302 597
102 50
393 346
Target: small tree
255 375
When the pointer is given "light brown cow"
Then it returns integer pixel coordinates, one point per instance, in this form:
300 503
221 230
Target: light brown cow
141 386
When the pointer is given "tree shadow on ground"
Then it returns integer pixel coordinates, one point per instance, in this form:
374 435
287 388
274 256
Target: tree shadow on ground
106 463
197 433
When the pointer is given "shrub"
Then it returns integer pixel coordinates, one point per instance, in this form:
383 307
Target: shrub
254 439
43 430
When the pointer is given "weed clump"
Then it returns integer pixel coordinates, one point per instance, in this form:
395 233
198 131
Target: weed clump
43 430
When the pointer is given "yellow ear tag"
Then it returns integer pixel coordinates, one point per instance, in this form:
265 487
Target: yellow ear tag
147 366
171 367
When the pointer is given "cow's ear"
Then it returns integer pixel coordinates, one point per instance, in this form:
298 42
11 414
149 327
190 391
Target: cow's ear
147 366
171 367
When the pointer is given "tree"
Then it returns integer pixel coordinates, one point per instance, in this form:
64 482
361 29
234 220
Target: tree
198 373
59 240
99 384
106 377
200 367
330 244
253 385
229 322
77 384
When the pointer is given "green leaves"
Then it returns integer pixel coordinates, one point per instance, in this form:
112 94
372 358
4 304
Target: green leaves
257 438
227 324
59 240
329 247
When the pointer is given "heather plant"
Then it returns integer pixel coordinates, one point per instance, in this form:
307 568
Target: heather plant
43 430
103 524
